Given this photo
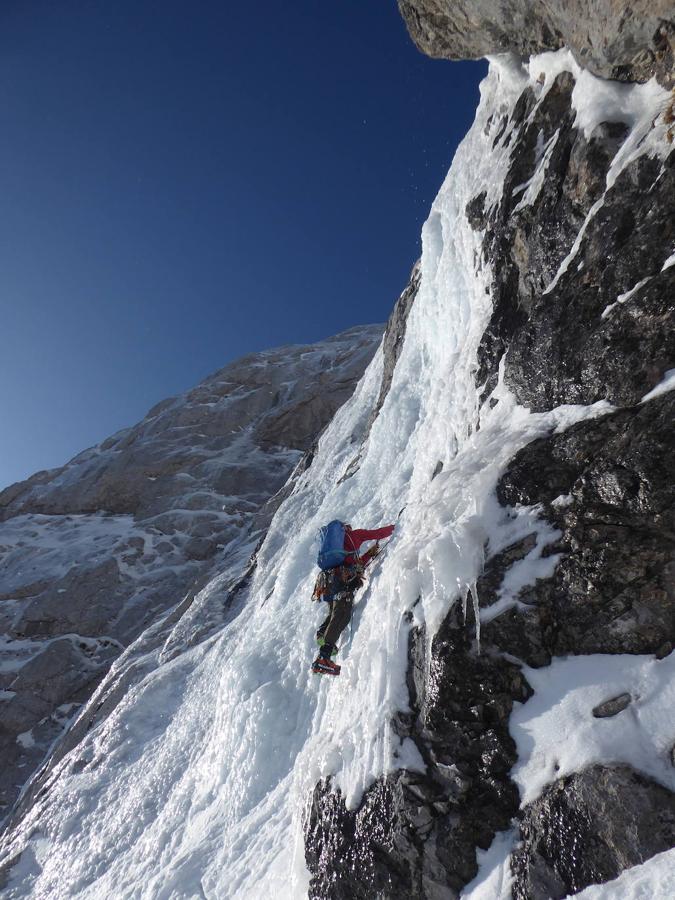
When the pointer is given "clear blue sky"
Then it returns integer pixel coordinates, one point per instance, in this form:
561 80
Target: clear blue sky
183 183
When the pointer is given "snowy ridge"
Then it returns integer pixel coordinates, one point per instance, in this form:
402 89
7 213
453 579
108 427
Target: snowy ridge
197 782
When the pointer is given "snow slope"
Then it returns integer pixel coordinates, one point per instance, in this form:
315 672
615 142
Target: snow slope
92 553
196 783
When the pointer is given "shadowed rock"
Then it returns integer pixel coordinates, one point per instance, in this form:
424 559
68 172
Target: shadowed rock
587 828
570 341
612 707
613 590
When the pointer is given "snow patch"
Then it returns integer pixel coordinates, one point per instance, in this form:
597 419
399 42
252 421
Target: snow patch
532 567
666 384
556 733
653 880
494 878
623 297
598 100
26 739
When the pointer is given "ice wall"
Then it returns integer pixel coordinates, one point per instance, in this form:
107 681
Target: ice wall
197 781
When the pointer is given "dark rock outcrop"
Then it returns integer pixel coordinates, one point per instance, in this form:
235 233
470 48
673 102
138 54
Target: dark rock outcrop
613 590
587 828
569 340
415 835
612 707
627 41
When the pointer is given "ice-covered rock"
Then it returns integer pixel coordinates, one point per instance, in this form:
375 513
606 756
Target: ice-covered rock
613 589
575 237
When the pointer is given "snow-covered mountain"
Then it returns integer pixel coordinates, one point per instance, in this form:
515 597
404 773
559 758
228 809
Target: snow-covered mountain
502 726
93 553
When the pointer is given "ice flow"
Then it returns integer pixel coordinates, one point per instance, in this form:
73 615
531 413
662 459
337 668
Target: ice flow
196 782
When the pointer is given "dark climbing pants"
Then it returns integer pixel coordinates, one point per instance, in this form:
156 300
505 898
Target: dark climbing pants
337 620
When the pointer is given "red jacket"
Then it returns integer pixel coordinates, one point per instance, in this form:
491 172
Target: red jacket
354 539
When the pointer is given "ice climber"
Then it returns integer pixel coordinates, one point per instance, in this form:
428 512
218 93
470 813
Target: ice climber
341 575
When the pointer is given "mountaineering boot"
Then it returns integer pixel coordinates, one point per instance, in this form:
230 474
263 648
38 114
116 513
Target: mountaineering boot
324 666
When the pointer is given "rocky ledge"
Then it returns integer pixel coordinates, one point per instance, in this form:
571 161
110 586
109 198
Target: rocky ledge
628 41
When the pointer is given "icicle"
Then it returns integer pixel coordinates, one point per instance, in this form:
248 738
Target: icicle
464 593
476 612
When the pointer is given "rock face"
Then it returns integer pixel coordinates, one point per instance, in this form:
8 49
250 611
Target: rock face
613 590
580 249
231 436
588 828
628 41
415 835
93 553
589 321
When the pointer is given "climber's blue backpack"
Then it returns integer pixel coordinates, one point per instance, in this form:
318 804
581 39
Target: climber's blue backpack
331 548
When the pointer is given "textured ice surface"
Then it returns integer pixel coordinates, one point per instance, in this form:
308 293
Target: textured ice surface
197 782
